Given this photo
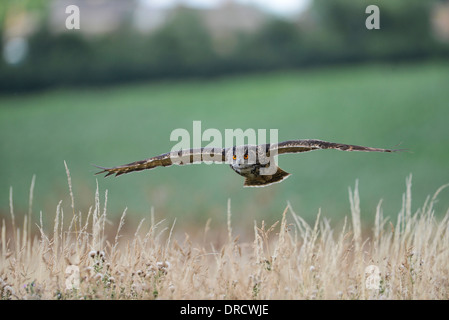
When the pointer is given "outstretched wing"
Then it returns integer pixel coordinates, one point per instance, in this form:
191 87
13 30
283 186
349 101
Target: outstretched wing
295 146
181 157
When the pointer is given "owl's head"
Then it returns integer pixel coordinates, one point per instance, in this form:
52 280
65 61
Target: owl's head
242 155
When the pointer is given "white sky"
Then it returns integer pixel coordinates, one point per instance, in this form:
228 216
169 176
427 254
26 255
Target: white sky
280 7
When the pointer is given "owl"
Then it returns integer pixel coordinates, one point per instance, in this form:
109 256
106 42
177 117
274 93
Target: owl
256 163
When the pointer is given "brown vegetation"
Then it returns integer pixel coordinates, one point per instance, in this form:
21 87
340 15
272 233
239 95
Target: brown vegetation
402 259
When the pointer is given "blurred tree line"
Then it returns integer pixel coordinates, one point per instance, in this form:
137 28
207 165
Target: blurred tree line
330 32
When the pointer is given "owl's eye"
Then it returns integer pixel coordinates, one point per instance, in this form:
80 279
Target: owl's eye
245 157
234 157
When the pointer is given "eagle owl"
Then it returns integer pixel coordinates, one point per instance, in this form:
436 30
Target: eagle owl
256 163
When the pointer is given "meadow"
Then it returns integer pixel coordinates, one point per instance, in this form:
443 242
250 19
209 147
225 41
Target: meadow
372 105
83 257
194 232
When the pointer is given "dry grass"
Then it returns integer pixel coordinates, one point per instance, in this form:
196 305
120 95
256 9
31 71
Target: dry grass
288 260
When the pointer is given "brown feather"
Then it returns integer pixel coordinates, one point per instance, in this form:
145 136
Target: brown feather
265 180
296 146
182 157
219 155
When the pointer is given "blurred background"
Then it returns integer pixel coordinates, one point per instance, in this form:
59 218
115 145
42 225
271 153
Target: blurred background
112 91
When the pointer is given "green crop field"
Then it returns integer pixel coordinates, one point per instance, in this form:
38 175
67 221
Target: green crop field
372 105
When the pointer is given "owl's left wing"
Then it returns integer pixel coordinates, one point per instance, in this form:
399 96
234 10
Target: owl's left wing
296 146
181 157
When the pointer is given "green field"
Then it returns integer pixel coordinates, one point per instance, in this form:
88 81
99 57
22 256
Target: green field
373 105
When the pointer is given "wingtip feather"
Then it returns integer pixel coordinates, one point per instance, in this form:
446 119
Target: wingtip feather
104 170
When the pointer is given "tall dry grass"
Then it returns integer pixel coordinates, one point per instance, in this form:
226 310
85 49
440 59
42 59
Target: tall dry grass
404 258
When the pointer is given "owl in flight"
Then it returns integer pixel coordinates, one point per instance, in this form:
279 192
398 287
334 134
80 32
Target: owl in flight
256 163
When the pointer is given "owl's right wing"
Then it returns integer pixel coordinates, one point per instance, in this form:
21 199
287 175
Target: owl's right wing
181 157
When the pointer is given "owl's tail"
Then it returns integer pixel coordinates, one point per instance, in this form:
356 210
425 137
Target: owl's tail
265 180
